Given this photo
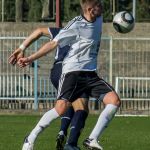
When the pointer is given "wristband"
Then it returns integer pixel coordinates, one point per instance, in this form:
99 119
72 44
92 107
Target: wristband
22 47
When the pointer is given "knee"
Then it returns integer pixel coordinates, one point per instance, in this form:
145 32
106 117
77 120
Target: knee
118 102
61 107
112 98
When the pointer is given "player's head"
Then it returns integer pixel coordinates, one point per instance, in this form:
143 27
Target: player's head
91 7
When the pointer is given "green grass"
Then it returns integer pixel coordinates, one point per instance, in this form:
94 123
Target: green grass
124 133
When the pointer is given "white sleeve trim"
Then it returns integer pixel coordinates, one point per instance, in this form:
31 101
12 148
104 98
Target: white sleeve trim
51 36
56 40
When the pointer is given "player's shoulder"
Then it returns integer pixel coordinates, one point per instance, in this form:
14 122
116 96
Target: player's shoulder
74 22
78 18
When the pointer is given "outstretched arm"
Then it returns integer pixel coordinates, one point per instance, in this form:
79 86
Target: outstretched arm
48 47
36 35
19 52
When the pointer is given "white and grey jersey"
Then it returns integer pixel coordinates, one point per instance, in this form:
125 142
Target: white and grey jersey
60 52
84 40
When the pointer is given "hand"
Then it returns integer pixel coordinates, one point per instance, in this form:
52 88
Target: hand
23 62
15 56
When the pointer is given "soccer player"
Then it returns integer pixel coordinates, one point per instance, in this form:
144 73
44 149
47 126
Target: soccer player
70 116
83 34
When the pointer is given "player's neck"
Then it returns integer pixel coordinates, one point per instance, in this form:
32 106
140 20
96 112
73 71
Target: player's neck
89 18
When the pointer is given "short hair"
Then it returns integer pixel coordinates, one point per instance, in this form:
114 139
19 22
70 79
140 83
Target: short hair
84 3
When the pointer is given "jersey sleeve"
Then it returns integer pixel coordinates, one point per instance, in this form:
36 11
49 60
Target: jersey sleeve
53 31
65 37
68 33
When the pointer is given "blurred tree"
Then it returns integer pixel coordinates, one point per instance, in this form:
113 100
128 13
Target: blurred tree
143 11
25 10
124 5
1 10
35 10
19 10
107 11
9 10
70 9
47 10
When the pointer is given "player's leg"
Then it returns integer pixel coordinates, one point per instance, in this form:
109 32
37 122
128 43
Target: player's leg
65 122
58 110
67 91
55 74
72 81
102 91
47 118
66 118
112 103
104 119
77 123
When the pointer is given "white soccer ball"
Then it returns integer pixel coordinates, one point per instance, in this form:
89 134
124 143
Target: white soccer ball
123 22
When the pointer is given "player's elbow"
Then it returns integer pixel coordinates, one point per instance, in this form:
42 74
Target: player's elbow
39 31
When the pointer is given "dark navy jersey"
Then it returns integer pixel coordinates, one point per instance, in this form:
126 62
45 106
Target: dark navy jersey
60 52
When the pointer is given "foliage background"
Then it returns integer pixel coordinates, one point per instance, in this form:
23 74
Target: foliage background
32 9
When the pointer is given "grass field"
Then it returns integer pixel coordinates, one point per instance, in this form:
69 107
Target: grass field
124 133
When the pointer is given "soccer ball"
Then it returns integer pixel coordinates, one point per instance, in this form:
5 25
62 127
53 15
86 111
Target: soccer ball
123 22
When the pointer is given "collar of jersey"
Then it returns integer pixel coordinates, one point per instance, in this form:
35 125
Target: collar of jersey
88 20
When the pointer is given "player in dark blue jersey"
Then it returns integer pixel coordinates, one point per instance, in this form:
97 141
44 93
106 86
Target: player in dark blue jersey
76 119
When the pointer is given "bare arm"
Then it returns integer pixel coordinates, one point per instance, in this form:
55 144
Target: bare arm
48 47
36 35
19 52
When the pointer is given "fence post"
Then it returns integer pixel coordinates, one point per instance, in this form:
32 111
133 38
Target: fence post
117 85
2 10
110 60
35 79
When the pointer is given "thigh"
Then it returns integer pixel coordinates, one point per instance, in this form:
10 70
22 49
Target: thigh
70 87
99 88
81 104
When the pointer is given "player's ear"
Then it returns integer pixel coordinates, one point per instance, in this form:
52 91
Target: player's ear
89 9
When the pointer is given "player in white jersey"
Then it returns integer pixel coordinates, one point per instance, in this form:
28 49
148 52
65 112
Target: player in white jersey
79 66
70 117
